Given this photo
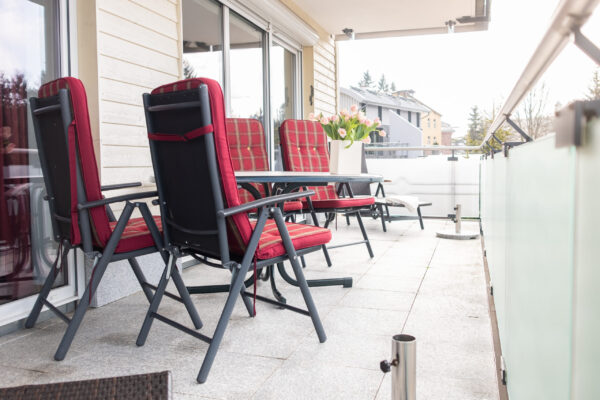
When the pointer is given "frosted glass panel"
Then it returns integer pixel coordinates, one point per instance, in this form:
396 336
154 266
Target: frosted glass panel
587 299
528 218
539 258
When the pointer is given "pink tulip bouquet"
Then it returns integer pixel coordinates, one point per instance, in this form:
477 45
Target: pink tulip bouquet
352 126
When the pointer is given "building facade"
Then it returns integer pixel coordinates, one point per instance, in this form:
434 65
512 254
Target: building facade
400 117
272 60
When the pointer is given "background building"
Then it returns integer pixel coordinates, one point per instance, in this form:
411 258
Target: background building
400 117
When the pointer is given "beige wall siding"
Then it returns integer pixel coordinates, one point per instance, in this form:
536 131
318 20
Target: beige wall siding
138 49
324 76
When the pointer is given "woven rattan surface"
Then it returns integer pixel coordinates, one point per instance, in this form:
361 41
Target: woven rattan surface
154 386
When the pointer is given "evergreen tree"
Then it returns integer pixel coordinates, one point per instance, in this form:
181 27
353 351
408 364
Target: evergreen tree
475 132
382 85
393 87
188 70
594 88
366 80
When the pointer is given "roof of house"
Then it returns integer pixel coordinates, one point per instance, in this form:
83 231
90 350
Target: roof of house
370 97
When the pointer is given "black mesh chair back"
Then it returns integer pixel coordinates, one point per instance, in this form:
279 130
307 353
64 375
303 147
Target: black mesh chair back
183 170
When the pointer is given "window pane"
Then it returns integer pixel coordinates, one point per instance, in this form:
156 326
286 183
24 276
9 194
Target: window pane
246 70
29 51
282 92
202 40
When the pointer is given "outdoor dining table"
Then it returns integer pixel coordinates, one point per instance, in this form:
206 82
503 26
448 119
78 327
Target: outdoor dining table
288 181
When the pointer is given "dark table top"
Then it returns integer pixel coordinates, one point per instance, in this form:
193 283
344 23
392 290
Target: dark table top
302 177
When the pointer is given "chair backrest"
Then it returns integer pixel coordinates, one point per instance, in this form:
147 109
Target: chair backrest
248 150
66 149
194 172
304 148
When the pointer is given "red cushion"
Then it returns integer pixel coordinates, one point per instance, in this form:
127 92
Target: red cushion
304 148
289 206
344 202
303 236
81 130
136 234
239 227
248 150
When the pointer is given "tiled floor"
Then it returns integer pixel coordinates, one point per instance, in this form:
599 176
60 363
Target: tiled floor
431 288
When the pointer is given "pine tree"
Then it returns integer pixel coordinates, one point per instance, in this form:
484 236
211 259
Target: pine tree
393 87
382 85
188 70
475 132
594 88
366 80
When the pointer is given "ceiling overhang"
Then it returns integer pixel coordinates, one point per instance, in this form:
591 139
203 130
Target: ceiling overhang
393 18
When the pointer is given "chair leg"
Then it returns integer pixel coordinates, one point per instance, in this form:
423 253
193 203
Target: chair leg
382 218
310 304
236 287
247 302
420 217
158 295
185 297
82 307
43 295
364 233
137 271
276 293
325 251
97 274
347 220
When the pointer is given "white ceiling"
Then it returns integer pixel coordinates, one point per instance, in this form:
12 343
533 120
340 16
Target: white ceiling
380 18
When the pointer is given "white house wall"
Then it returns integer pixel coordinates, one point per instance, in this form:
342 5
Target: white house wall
138 49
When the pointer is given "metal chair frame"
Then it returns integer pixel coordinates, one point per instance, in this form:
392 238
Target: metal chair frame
60 104
237 265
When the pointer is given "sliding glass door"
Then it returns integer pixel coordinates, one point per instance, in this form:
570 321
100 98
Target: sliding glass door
31 55
258 73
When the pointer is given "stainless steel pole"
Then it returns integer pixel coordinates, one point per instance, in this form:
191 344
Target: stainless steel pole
458 217
403 367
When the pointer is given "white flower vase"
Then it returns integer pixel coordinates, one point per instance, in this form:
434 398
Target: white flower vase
345 160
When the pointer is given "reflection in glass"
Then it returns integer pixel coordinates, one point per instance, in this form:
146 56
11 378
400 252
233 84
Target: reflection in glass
246 58
29 48
202 40
282 92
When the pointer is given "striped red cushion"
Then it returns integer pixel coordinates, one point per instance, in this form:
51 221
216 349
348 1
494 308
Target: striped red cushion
303 236
304 148
136 234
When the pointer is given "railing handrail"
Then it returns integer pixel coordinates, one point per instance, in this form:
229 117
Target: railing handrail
417 148
569 16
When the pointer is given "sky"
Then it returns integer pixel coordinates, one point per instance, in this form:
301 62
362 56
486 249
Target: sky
453 72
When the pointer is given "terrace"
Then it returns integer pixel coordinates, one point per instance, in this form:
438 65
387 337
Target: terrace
432 288
512 314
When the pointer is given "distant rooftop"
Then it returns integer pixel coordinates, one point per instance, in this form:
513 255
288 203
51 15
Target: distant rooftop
372 97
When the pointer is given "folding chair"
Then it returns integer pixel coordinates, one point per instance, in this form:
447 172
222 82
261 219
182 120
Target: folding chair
81 216
202 212
382 205
304 148
248 150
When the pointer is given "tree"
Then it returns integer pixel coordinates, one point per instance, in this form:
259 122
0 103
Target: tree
393 87
366 80
188 70
475 132
382 85
530 116
594 88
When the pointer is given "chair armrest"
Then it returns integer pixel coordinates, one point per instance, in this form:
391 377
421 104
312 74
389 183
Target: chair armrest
387 181
117 186
266 201
117 199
